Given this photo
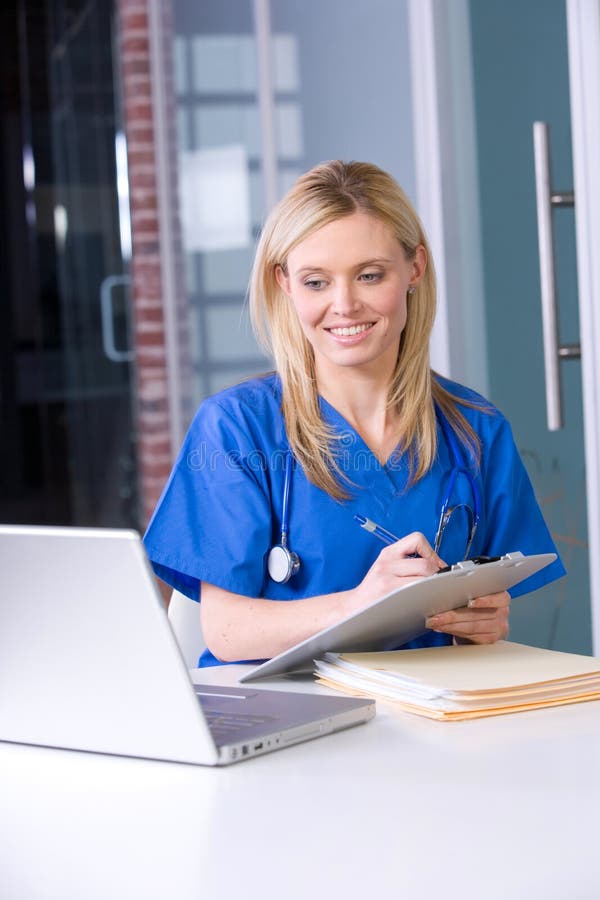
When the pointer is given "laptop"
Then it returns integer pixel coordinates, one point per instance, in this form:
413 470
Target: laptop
88 661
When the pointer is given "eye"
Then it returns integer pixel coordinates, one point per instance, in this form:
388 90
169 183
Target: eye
370 277
315 284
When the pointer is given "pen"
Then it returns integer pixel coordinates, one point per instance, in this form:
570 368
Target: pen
386 536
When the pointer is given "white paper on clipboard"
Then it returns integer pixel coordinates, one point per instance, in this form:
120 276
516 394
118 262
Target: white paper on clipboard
400 616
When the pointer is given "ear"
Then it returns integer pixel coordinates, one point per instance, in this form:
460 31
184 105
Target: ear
283 280
419 265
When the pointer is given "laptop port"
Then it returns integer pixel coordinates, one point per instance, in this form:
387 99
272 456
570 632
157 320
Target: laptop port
244 749
258 746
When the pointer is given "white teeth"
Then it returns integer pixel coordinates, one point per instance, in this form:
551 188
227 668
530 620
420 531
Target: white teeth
355 329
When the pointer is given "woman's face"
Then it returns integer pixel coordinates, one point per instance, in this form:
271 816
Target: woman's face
348 282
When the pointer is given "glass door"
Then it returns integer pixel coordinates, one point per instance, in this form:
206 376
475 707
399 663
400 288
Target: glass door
520 74
245 69
68 442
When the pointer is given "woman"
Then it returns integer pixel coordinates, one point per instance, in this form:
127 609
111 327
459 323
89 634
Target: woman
352 426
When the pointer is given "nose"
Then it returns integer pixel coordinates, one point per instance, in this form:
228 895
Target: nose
345 300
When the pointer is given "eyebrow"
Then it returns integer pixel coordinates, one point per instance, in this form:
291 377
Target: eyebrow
367 262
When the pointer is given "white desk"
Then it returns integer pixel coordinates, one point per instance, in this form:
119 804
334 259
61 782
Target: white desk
401 807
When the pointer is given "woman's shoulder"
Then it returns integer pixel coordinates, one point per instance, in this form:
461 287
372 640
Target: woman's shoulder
251 408
462 392
480 413
257 393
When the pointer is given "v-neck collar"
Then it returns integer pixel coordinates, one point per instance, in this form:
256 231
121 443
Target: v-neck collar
393 471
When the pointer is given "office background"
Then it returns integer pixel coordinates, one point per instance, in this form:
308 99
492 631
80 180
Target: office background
142 143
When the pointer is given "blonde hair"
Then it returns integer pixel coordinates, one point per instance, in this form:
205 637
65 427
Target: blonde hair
326 193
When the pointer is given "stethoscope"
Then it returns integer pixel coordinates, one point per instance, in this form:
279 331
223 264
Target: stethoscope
283 563
458 469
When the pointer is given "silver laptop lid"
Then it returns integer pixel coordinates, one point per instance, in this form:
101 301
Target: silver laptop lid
66 635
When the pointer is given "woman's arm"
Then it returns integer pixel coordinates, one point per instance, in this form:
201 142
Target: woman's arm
238 627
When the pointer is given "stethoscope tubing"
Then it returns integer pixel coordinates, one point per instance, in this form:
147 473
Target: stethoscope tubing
459 468
293 561
285 504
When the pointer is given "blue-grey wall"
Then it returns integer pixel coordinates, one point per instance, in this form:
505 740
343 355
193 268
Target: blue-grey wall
520 71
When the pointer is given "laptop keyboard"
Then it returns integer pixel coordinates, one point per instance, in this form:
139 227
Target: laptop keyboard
226 724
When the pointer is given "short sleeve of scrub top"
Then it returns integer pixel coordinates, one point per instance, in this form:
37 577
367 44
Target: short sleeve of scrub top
220 511
213 521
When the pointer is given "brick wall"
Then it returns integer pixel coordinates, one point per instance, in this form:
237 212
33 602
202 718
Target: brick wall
154 449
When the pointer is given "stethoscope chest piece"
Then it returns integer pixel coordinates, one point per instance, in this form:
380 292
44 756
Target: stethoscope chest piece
282 563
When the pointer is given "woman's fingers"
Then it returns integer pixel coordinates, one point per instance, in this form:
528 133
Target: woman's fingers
490 601
408 559
485 620
415 544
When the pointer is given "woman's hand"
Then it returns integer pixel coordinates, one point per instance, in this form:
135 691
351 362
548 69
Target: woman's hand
483 621
410 558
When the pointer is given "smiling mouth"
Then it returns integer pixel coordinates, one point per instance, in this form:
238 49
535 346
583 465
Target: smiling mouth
350 330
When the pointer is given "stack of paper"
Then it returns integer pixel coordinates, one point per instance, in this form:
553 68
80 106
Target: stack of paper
467 681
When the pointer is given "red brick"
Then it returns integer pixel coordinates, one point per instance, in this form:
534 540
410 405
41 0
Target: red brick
151 427
140 131
157 443
149 286
150 355
140 106
135 19
150 248
156 483
141 146
154 394
151 496
150 457
143 116
155 421
149 334
134 65
134 23
137 86
155 470
143 180
151 398
141 217
145 224
137 92
132 6
152 390
144 201
148 313
138 44
148 305
145 331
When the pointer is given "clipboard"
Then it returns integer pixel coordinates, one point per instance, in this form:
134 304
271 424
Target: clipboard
400 616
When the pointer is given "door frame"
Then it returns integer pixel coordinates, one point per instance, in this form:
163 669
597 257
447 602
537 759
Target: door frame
445 160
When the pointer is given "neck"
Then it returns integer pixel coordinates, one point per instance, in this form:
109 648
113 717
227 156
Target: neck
361 399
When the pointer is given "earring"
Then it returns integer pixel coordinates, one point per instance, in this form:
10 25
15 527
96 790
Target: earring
411 289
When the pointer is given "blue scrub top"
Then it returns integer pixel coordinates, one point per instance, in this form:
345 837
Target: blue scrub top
220 511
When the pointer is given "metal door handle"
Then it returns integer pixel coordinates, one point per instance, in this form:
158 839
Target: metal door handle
554 352
108 330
